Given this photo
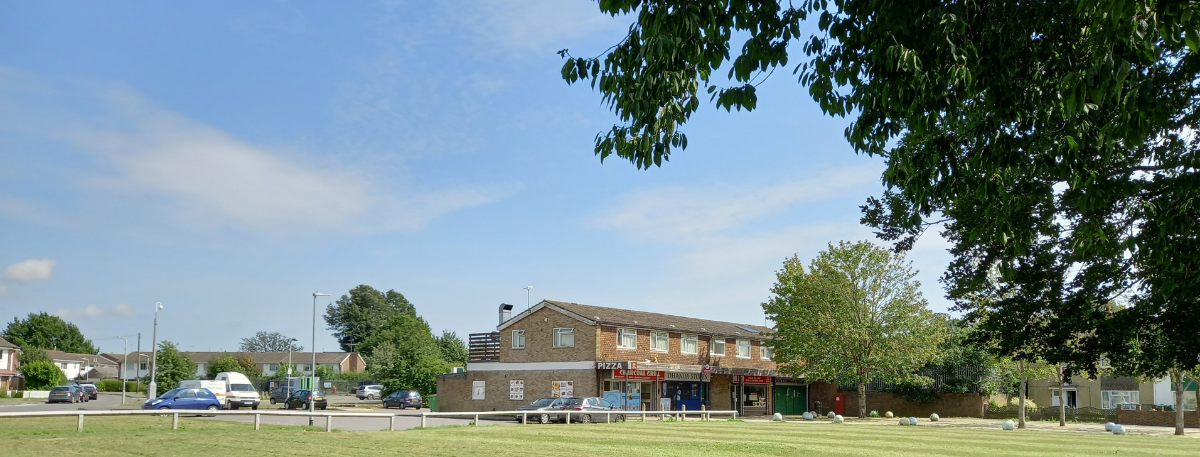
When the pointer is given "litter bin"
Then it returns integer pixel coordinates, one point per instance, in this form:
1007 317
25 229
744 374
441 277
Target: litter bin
433 402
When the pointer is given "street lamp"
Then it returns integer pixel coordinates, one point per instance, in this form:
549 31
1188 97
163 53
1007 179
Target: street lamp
528 289
312 388
291 345
124 367
152 387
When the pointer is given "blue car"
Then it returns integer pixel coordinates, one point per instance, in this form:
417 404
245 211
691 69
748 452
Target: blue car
184 398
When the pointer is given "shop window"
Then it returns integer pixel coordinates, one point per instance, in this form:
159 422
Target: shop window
659 341
564 337
518 339
743 349
765 352
626 338
689 344
716 346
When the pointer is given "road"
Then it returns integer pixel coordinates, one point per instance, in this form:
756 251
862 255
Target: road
405 419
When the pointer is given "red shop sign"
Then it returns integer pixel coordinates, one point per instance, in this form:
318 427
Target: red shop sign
639 375
752 379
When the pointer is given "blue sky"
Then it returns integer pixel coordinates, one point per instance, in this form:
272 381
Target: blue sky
230 158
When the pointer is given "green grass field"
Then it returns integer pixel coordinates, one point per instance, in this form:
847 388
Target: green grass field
153 436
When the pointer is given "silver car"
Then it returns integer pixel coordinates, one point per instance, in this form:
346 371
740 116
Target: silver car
369 392
592 409
542 404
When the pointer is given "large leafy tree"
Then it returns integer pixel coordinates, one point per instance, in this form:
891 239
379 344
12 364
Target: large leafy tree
404 354
173 366
269 342
225 362
360 313
1055 140
453 349
855 315
46 331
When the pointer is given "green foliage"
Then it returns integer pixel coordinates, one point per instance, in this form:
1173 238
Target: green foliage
247 366
19 394
45 331
42 375
33 354
114 385
269 342
454 350
363 311
855 316
222 363
282 372
172 366
3 393
874 413
325 373
404 355
916 392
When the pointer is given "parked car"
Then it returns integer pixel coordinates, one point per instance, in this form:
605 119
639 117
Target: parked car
216 387
593 409
91 390
369 392
403 399
65 394
185 398
239 391
281 394
300 398
542 404
362 383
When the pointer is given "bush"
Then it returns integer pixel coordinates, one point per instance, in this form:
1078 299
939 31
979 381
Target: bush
3 393
114 385
42 375
19 394
874 413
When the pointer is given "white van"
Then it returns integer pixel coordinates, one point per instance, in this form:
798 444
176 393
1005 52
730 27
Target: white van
218 388
239 391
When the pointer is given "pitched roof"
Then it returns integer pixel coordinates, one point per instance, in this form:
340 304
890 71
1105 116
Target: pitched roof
102 372
616 317
93 359
5 344
258 357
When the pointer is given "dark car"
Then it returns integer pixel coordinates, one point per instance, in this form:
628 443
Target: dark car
281 394
300 398
591 409
537 410
184 398
403 399
65 394
91 390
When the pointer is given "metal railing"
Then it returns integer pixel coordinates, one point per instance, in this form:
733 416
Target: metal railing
175 415
681 415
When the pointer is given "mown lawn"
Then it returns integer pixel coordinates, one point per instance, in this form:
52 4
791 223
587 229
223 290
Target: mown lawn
153 436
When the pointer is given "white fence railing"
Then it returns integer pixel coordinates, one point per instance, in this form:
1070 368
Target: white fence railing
587 415
174 413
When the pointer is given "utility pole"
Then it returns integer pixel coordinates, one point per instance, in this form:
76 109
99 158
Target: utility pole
138 371
152 387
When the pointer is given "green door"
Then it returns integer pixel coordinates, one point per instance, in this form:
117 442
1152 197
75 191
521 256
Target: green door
790 400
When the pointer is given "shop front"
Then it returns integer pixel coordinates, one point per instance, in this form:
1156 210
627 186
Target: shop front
633 390
687 391
751 394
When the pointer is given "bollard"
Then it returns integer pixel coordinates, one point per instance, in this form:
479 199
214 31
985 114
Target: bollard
682 413
175 421
328 423
704 414
422 420
524 418
607 417
568 418
257 421
79 425
476 423
392 423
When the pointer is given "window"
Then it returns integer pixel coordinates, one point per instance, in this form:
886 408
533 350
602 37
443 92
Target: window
659 341
518 339
716 346
765 352
743 349
143 365
1110 399
63 365
564 337
626 338
689 344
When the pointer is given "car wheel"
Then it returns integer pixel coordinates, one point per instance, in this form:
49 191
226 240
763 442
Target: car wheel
544 419
234 407
304 406
587 419
213 407
620 418
255 407
272 401
164 407
370 396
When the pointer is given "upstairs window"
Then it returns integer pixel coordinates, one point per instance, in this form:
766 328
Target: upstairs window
659 341
743 349
716 346
564 337
518 339
626 338
765 352
689 344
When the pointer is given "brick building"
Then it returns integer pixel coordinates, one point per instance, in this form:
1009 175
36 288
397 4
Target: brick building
636 359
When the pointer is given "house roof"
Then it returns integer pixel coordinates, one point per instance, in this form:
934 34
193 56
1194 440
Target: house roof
258 357
5 344
103 372
617 317
93 359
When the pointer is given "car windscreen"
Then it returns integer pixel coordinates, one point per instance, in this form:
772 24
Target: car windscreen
572 401
61 389
320 393
542 402
241 388
170 393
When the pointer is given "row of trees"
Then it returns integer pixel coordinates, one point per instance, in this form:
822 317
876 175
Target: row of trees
400 348
1055 142
38 333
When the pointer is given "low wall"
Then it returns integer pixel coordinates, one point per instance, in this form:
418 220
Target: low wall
949 405
36 394
1158 418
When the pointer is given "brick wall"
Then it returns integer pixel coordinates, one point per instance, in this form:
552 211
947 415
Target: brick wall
608 350
1159 418
949 405
454 390
539 339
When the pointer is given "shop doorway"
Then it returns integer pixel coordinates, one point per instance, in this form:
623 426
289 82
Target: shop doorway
685 394
791 400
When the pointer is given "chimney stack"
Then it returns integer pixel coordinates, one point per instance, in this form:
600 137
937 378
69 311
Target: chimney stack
505 312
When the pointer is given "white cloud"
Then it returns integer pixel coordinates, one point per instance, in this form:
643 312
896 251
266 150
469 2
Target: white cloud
538 25
3 290
95 312
30 270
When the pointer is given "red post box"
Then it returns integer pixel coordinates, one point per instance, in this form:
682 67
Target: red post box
839 403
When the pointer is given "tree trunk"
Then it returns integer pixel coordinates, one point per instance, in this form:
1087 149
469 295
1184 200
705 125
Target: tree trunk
1062 398
1177 382
862 399
1021 405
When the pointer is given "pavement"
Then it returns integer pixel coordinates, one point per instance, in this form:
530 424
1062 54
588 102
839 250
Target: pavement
973 422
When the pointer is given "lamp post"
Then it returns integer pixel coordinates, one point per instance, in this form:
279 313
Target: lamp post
124 367
528 289
312 388
152 386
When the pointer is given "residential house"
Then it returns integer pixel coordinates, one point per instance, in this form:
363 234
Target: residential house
76 366
9 365
268 362
1109 392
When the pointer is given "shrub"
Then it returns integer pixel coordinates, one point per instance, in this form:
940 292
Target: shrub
874 413
114 385
3 393
42 375
19 394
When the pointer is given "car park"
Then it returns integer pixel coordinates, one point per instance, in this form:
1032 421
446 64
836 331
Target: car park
403 399
591 409
539 410
300 398
65 394
280 394
370 392
91 390
185 398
